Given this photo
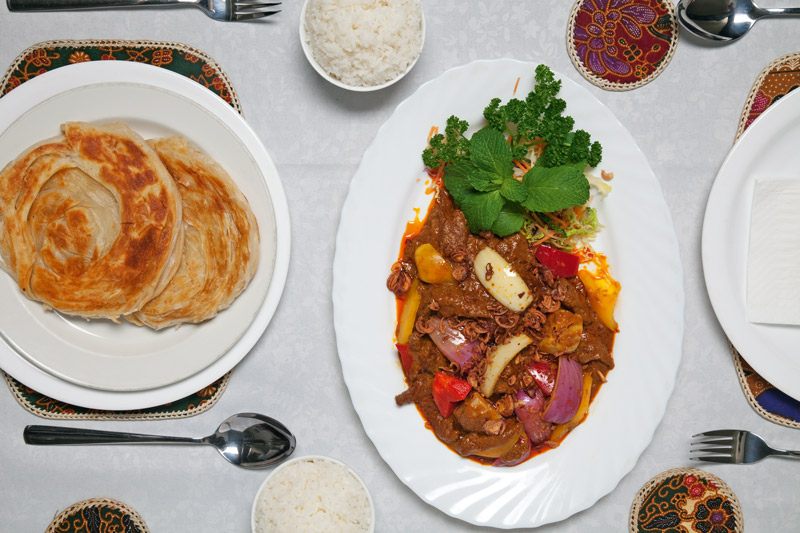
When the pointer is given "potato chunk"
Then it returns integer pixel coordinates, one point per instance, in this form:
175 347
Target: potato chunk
563 331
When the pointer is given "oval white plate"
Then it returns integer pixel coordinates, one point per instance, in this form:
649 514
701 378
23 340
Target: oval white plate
766 149
99 356
642 248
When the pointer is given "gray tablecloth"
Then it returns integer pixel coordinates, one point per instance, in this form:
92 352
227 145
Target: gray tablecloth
684 121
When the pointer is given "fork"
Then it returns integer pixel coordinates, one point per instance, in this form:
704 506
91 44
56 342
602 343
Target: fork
228 10
735 446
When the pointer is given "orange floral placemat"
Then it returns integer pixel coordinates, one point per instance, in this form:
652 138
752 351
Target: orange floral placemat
177 57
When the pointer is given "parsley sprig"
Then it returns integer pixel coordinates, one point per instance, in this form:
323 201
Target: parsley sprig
479 171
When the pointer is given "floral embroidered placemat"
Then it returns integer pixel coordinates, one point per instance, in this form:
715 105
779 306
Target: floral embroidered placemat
177 57
686 500
98 515
773 83
620 45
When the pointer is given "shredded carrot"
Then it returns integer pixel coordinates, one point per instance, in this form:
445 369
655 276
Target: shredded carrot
546 237
515 87
561 223
539 148
538 220
434 131
524 166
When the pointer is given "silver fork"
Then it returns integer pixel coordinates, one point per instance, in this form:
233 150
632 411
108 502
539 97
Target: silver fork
735 446
228 10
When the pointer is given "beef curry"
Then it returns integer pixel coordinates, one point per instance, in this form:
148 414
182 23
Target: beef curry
499 377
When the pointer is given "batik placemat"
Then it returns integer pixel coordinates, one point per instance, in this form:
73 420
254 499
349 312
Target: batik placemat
686 499
620 45
775 81
177 57
98 515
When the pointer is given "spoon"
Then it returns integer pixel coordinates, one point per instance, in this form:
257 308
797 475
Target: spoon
725 20
248 440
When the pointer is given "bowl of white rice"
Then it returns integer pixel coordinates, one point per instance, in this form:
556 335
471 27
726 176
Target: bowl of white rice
313 493
362 45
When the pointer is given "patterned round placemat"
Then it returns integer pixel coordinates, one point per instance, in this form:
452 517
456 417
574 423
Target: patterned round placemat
183 59
98 515
620 45
46 407
177 57
774 82
684 500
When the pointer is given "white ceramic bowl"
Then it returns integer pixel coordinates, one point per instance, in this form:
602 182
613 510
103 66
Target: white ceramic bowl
267 486
358 88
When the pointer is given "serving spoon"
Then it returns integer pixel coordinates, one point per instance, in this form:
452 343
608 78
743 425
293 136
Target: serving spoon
248 440
725 20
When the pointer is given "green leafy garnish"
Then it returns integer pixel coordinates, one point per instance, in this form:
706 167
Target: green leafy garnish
479 171
448 147
484 186
555 188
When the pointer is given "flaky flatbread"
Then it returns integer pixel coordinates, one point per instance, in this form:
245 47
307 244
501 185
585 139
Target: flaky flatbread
90 222
220 252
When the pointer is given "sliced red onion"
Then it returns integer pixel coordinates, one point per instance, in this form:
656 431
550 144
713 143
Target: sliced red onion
453 344
529 413
566 397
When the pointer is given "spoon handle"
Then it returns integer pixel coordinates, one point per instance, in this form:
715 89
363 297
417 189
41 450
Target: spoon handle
45 435
774 11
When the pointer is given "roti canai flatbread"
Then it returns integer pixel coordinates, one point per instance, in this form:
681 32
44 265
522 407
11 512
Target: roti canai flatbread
220 251
90 222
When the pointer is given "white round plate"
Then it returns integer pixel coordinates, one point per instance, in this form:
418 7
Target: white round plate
121 366
304 43
641 246
766 149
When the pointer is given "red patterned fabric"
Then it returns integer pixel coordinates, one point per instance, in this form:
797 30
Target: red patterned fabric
622 41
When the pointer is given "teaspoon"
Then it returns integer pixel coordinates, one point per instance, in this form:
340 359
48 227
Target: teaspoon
248 440
725 20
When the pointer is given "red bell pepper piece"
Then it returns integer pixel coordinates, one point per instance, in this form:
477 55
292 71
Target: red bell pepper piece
405 356
448 391
544 374
560 263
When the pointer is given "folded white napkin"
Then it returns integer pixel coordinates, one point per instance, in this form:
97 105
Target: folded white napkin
773 259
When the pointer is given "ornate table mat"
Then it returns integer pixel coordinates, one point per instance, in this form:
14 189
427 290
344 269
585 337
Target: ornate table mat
774 82
176 57
98 515
685 499
620 45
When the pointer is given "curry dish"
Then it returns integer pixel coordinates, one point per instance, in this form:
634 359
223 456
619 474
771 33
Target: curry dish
501 354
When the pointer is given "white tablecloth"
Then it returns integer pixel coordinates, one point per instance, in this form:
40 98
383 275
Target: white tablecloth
684 121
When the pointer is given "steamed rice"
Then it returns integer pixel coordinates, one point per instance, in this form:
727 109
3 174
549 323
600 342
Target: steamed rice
313 494
364 42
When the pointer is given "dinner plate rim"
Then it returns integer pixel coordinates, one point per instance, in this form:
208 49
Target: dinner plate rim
71 77
442 497
748 338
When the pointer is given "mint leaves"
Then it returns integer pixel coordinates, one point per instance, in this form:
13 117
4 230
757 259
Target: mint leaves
484 185
479 171
485 189
555 188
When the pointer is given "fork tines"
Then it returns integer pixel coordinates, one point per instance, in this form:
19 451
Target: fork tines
251 9
714 446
